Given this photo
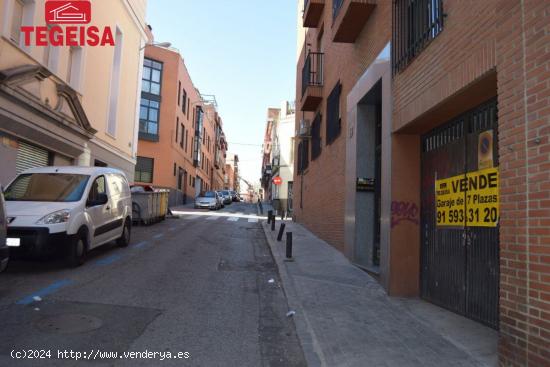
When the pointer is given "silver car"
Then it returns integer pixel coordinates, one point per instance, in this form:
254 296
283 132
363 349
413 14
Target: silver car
226 197
207 200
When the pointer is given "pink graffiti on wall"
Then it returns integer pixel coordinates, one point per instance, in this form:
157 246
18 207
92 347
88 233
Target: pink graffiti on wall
404 211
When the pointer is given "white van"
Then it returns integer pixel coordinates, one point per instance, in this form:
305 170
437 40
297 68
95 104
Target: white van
69 209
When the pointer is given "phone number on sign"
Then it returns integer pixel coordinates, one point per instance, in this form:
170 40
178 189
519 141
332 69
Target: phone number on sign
94 354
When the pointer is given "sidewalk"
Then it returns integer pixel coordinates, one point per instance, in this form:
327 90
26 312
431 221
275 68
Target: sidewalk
345 318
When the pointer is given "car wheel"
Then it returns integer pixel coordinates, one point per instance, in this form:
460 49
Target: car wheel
78 250
124 240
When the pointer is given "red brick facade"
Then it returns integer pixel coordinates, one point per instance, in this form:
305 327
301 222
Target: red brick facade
487 49
324 177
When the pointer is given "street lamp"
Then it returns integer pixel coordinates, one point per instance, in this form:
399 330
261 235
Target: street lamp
159 44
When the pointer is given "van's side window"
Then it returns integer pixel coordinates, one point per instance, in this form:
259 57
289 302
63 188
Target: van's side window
98 187
115 184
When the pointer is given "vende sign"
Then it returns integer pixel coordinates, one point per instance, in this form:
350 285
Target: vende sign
77 12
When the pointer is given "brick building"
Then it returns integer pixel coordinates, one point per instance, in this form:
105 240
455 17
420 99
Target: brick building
180 130
464 99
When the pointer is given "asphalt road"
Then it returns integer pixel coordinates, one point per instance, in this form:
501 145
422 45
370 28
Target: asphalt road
193 291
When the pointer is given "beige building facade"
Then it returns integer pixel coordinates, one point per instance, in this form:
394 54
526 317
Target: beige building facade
70 104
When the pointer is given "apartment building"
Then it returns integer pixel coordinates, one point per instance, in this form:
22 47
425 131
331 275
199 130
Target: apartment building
178 129
278 157
69 104
232 178
426 123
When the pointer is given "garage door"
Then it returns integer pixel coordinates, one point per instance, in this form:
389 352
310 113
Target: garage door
30 156
460 215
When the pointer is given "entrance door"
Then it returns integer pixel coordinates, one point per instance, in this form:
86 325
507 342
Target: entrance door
460 259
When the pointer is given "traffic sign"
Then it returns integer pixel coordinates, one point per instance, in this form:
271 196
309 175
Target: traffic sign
277 180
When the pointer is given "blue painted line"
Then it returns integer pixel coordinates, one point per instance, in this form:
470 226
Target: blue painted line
108 260
158 235
141 244
44 291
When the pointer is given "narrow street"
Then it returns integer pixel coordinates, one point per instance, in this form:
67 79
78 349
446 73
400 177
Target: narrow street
198 284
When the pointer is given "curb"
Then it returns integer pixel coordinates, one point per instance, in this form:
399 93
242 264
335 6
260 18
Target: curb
306 336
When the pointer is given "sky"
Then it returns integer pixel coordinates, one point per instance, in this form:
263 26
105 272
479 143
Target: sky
243 52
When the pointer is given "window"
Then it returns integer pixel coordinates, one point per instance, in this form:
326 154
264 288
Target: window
17 20
186 138
174 169
144 169
149 119
316 137
115 84
151 77
415 24
179 92
98 188
184 102
188 102
303 156
182 135
74 69
177 128
334 123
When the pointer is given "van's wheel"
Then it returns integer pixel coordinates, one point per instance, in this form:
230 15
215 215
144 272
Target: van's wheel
124 240
78 249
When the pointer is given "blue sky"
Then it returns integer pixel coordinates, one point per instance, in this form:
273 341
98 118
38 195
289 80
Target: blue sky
242 51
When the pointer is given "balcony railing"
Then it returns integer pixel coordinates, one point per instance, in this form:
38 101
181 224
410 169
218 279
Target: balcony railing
312 72
415 24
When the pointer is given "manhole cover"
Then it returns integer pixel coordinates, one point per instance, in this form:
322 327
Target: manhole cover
69 324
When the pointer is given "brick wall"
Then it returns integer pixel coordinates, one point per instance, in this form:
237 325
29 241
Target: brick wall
523 59
500 45
323 182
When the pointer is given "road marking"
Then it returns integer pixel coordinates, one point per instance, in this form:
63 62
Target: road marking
192 216
252 220
157 236
108 260
141 244
233 219
44 292
213 218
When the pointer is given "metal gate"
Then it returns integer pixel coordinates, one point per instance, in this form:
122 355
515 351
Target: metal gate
460 231
30 156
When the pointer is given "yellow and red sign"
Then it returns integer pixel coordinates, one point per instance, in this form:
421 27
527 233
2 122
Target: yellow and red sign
469 199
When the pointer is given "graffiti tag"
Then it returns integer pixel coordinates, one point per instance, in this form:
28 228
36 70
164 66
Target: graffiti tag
403 211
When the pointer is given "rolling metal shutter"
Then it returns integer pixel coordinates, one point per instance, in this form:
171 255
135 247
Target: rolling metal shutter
30 156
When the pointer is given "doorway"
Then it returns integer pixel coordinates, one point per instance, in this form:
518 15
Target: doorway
459 215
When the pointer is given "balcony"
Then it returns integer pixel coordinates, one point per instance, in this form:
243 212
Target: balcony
312 81
349 17
313 11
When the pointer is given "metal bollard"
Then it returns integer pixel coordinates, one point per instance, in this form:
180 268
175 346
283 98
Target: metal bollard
281 231
269 215
282 215
273 222
289 245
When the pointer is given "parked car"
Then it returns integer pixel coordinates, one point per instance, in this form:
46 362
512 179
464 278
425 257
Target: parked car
68 209
220 198
234 196
208 200
4 249
226 197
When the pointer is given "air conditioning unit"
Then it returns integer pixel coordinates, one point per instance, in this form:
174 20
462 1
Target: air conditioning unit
305 129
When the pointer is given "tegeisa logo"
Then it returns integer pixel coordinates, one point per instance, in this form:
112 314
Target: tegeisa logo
76 12
68 12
